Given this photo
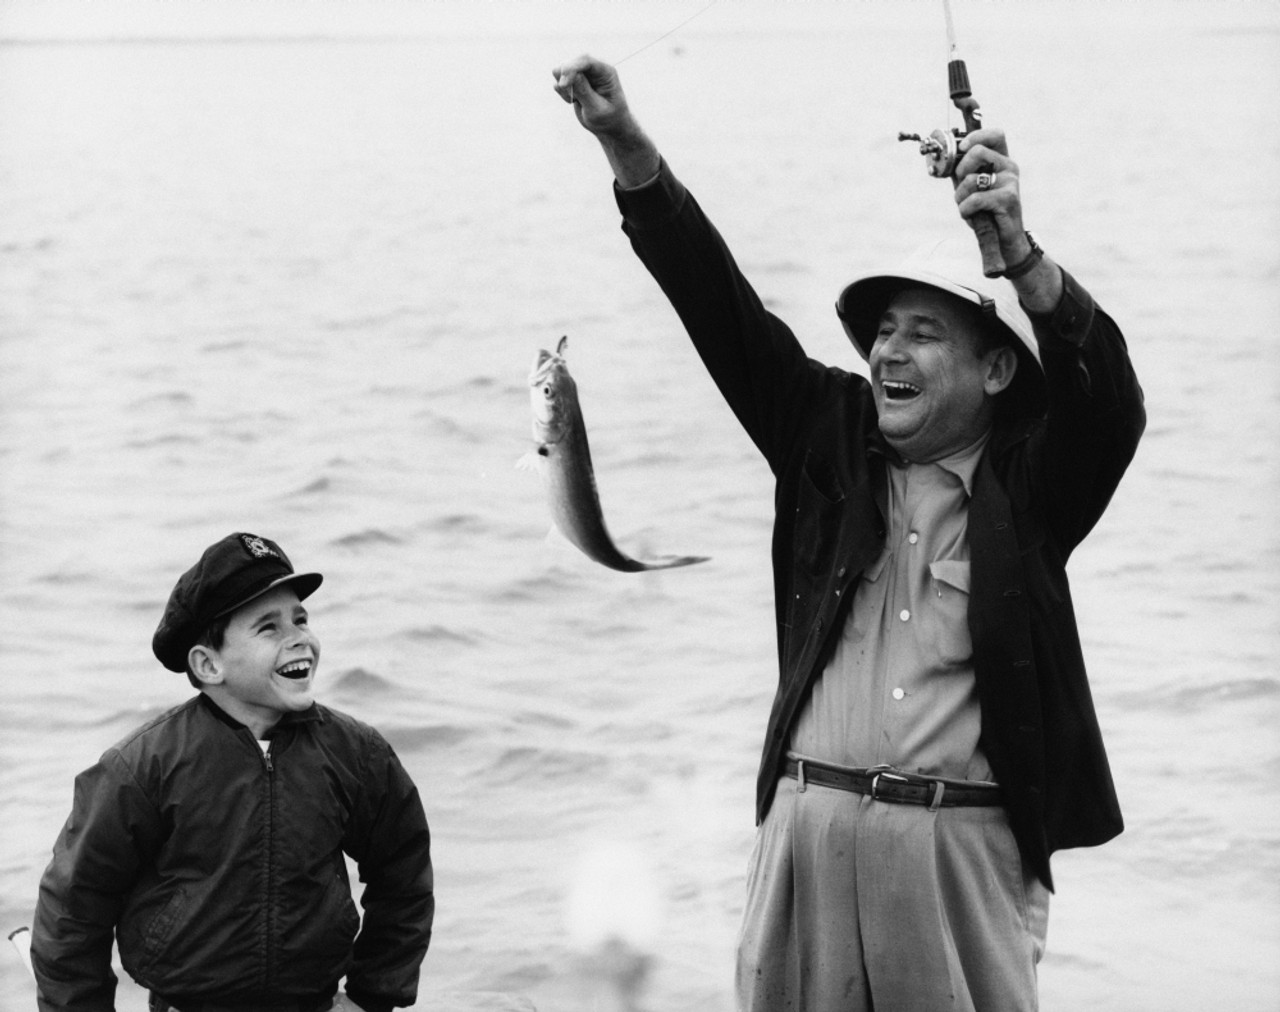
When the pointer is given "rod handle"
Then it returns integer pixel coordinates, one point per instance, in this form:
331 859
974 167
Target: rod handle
993 264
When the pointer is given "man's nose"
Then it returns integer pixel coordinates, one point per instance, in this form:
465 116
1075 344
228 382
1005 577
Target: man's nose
891 348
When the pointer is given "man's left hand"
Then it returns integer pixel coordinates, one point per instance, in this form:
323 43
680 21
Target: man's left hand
343 1003
987 152
987 181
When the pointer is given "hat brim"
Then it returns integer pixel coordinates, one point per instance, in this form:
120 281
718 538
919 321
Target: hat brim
305 584
863 302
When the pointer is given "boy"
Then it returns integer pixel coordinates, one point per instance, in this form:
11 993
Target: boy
210 841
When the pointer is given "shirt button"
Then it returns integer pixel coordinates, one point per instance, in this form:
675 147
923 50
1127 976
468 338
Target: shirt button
898 693
913 537
904 614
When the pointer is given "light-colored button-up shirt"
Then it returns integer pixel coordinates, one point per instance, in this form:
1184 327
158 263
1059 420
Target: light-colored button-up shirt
899 688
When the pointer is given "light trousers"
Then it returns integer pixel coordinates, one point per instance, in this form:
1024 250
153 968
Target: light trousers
856 905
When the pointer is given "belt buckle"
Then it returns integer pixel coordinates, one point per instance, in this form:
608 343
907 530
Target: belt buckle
887 773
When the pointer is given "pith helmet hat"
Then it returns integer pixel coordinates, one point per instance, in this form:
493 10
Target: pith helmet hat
951 265
230 573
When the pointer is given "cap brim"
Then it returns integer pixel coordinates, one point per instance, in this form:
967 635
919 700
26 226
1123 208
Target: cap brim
304 584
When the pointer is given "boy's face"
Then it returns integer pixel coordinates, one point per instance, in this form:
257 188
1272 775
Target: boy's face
268 659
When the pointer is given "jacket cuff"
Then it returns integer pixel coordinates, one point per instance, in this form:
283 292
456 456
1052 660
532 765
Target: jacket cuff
652 203
1071 318
369 1002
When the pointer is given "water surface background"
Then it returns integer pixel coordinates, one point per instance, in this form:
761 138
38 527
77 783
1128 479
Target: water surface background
283 268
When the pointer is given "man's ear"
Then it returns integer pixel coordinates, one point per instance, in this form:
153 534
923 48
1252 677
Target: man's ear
1002 363
203 662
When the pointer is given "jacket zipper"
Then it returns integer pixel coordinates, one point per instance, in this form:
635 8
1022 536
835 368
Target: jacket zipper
270 906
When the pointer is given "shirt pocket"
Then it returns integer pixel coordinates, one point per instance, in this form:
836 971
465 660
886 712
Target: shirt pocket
947 633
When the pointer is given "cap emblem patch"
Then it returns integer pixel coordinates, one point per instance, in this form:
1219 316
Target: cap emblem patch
258 548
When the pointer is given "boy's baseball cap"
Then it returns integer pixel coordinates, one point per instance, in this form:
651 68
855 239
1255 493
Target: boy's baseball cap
231 572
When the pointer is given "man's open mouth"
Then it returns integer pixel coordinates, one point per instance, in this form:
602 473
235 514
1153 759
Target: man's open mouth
295 669
896 390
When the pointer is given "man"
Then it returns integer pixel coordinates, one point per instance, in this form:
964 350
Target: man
932 740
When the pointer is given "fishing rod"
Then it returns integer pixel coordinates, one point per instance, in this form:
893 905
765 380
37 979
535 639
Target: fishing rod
942 153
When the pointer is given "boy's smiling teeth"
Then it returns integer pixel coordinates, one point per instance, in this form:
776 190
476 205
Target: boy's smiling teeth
896 390
295 669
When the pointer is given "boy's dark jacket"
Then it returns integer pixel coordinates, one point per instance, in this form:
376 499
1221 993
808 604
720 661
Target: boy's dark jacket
223 875
1040 487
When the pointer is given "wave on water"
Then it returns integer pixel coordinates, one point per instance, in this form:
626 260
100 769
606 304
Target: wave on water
360 681
162 439
460 523
440 634
526 764
168 397
407 740
370 536
534 588
1194 698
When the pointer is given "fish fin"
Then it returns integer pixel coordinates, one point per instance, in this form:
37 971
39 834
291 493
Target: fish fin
672 561
532 461
556 538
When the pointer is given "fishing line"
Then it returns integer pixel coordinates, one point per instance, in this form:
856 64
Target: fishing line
677 28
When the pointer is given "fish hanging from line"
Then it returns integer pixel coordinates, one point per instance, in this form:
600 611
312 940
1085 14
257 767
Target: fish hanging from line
563 460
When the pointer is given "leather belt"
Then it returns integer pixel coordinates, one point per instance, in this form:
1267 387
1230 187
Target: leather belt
883 783
159 1003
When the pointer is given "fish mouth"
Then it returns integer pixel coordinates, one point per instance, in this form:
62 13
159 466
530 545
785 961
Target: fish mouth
546 361
545 368
296 670
899 390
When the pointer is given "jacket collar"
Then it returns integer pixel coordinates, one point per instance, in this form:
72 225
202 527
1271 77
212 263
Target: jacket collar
311 715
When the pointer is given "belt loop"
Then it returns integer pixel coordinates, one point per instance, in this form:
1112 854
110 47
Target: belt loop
800 775
938 788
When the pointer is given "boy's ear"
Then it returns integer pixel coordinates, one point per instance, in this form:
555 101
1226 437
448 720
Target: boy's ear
203 663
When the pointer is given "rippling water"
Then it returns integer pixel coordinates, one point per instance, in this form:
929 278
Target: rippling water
285 269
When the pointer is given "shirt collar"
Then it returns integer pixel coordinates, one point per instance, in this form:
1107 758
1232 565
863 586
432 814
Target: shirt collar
963 463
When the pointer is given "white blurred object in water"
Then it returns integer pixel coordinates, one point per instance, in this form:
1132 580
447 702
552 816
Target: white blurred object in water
613 914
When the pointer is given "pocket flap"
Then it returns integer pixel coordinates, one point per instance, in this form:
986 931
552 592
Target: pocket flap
873 570
952 572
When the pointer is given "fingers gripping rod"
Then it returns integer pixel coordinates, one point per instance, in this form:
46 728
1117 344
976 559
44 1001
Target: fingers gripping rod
941 153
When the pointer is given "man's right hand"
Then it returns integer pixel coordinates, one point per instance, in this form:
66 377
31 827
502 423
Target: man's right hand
594 89
596 94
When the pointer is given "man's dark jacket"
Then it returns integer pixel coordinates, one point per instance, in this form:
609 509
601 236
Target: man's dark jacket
1041 485
221 873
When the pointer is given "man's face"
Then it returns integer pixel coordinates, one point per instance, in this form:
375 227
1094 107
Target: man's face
268 658
932 388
